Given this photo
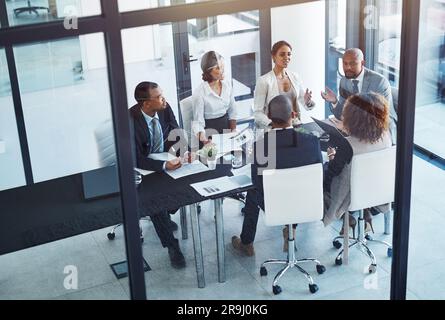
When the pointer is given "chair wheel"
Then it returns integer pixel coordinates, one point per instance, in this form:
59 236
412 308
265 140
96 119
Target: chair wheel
337 244
389 252
111 235
142 239
313 288
276 290
263 271
368 237
321 269
372 268
339 261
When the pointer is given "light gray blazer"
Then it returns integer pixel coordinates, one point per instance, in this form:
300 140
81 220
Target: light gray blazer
372 82
336 202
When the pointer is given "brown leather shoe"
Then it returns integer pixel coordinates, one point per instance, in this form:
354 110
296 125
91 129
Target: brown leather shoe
244 249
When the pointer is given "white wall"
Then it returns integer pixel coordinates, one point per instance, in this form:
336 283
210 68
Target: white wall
141 44
92 47
303 26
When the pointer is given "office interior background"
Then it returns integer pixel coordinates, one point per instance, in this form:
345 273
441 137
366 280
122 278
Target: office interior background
59 87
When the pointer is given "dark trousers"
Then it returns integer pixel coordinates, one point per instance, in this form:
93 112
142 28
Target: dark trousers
254 201
161 222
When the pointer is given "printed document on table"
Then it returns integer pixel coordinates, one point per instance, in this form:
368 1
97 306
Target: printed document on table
221 185
163 156
243 171
232 141
188 169
144 172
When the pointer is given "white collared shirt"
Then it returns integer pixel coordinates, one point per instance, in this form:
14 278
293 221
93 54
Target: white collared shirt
208 105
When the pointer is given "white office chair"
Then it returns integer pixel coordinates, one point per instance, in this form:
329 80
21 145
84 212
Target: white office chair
186 108
107 157
372 184
305 205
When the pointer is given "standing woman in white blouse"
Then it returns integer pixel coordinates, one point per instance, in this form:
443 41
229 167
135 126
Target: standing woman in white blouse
280 81
214 104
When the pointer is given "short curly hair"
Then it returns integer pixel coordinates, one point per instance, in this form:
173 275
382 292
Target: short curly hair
366 116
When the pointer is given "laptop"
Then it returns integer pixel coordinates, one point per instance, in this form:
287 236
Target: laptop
330 129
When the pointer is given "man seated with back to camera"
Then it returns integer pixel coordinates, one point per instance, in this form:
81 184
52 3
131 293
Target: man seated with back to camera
153 122
281 148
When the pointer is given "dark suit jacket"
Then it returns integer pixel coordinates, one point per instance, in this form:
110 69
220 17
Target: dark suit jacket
143 142
293 149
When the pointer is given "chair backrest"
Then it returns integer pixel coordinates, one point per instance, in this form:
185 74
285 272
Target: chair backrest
293 195
105 143
373 179
395 97
186 106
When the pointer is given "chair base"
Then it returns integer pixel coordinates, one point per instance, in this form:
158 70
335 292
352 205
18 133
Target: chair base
290 263
112 234
362 242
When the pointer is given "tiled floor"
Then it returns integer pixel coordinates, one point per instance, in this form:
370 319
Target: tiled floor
38 273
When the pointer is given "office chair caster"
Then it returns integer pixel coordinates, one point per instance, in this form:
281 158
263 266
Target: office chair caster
111 235
321 269
263 271
389 253
337 244
313 288
339 261
372 268
276 290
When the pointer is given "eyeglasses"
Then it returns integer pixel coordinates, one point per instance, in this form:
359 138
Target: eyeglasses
160 97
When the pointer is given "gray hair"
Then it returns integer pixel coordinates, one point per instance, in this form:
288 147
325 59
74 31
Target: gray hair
356 52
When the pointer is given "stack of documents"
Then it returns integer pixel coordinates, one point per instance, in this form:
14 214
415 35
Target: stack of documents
188 169
232 141
221 185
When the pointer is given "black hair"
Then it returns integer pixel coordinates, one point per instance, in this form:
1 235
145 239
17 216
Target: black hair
142 91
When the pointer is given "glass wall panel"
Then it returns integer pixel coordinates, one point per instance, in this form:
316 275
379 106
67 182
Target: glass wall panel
11 163
387 59
56 240
64 86
40 11
426 260
430 113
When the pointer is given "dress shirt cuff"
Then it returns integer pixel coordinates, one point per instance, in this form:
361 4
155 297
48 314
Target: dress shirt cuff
164 166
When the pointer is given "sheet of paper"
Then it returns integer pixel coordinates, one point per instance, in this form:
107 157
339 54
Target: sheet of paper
221 185
163 156
188 169
232 141
243 171
144 172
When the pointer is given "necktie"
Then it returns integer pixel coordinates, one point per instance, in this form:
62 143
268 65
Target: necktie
157 136
355 89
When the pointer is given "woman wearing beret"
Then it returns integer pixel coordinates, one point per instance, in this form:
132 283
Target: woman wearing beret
213 101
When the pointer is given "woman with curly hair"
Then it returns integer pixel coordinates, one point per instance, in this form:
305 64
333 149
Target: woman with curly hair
366 121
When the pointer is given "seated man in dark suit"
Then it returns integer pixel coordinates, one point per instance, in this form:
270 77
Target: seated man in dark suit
153 121
289 149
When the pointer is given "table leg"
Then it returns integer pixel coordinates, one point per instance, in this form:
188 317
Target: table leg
183 218
197 247
219 225
346 238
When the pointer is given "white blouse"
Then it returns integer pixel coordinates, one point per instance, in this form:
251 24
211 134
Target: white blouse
267 88
208 105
